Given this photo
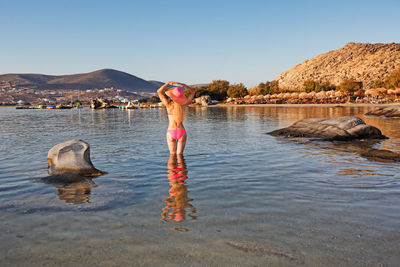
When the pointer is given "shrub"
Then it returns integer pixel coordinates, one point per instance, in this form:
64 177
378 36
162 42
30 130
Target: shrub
310 86
198 91
237 90
349 85
218 89
314 86
391 81
268 88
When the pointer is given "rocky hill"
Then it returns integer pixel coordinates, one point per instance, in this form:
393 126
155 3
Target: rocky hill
358 61
100 79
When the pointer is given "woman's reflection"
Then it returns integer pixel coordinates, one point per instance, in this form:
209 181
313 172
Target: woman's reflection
178 202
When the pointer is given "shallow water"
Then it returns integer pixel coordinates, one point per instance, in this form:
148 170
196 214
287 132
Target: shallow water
238 197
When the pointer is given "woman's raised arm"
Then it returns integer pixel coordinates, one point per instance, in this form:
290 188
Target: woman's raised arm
161 93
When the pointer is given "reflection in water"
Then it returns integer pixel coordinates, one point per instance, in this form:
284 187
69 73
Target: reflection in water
178 202
74 191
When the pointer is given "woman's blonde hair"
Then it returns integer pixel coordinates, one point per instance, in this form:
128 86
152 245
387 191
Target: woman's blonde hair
179 112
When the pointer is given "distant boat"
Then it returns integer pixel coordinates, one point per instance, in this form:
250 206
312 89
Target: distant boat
22 107
63 107
51 107
129 106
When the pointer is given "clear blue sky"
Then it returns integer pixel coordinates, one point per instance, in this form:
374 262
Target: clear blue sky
189 41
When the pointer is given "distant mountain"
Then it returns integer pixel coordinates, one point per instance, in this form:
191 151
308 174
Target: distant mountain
100 79
157 83
361 62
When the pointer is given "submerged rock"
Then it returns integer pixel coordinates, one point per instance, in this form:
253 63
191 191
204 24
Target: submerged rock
392 111
381 155
341 128
261 249
71 158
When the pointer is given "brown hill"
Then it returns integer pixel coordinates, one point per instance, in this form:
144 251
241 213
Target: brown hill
97 79
357 61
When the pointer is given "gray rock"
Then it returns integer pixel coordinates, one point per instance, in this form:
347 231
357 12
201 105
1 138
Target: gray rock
204 100
100 103
391 111
71 158
341 128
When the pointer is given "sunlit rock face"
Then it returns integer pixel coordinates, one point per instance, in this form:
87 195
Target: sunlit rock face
341 128
362 62
71 158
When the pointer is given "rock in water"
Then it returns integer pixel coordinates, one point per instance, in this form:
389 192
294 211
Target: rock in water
71 158
204 100
390 112
100 103
380 155
341 128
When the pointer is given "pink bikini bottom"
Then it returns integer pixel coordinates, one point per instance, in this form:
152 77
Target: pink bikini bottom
176 133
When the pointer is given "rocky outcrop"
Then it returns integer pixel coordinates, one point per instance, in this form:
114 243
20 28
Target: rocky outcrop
100 103
72 160
391 112
204 100
358 61
341 128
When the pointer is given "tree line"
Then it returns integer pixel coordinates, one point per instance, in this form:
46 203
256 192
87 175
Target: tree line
221 89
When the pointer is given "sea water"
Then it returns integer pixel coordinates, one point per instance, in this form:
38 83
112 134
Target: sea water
238 197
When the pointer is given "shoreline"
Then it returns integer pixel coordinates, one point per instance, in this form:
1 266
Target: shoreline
283 105
309 105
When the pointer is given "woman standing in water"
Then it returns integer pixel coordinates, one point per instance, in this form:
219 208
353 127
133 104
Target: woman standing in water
176 133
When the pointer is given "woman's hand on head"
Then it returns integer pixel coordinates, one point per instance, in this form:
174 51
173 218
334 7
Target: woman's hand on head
182 84
176 83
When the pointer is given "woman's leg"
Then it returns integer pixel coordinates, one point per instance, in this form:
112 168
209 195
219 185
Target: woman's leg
181 144
171 144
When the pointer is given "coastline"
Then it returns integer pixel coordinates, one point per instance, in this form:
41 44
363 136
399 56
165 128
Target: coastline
309 105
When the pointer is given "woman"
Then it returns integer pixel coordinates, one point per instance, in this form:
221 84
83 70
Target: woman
176 133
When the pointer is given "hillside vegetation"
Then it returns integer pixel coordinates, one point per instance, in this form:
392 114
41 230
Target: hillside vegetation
360 62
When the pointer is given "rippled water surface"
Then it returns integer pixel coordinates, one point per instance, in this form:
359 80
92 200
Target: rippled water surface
238 197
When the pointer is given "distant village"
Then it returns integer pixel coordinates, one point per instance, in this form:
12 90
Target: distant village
11 96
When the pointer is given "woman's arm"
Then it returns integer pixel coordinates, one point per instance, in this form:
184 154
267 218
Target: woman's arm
161 93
